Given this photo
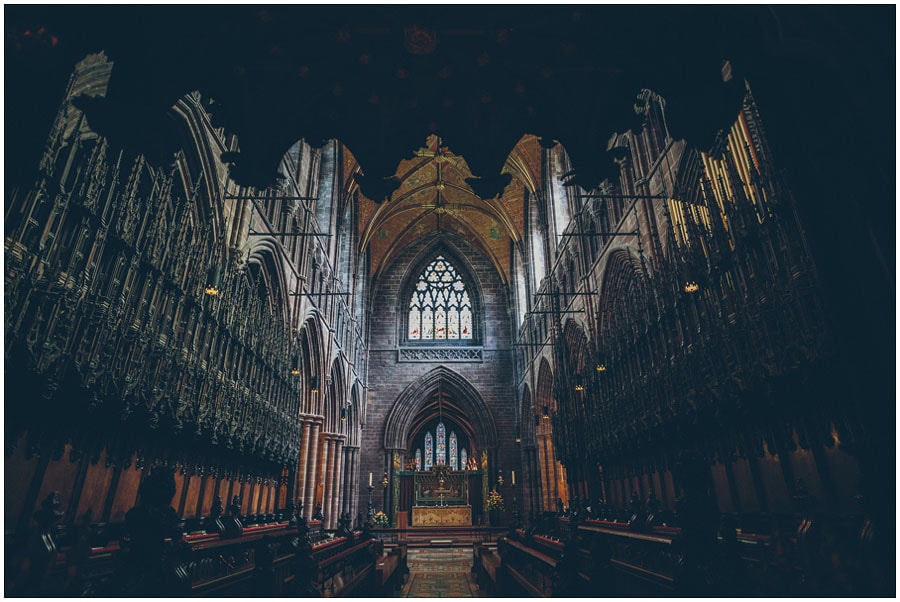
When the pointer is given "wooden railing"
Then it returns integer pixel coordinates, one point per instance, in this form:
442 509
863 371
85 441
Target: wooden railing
467 533
595 560
631 563
598 557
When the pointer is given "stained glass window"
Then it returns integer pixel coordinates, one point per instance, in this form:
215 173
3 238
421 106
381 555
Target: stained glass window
418 459
441 455
464 459
440 308
429 450
454 464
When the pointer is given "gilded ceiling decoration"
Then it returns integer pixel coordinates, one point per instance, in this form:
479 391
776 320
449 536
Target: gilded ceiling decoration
434 199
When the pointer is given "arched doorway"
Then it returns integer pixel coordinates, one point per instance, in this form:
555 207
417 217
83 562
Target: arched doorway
440 416
552 473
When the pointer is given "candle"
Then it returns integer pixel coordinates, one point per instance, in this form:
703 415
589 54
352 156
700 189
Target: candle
514 477
370 479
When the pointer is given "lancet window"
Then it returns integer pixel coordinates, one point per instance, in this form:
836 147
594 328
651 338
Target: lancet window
454 461
441 455
429 451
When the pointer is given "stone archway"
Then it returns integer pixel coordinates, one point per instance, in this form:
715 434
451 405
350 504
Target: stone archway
412 407
440 394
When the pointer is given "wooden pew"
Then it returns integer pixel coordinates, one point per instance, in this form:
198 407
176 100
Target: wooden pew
525 570
260 562
485 566
599 558
390 569
642 564
344 566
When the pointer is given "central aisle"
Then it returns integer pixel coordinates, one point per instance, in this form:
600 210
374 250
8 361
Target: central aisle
440 573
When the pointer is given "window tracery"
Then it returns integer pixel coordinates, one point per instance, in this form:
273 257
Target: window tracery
440 308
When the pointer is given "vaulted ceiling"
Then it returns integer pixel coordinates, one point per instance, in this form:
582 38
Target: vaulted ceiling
435 196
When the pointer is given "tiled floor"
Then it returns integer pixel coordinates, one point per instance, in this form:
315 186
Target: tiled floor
440 573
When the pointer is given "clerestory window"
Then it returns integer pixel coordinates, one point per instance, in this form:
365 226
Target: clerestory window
440 308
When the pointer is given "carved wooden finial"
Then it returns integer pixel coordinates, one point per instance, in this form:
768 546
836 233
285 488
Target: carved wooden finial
49 512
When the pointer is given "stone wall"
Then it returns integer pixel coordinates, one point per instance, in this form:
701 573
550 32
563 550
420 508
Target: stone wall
492 377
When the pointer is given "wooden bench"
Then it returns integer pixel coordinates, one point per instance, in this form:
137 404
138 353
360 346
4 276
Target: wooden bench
641 564
343 566
485 567
391 569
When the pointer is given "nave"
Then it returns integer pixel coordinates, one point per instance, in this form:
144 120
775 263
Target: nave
664 360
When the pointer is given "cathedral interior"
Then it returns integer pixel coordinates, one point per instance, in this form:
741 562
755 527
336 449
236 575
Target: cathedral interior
580 300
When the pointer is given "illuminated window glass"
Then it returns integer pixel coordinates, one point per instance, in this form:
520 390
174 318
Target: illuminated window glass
463 459
418 459
441 455
454 464
440 308
429 450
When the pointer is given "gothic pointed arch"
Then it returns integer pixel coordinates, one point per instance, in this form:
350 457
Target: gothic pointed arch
335 410
577 346
355 415
552 473
526 413
268 276
621 282
544 400
471 411
199 164
310 353
440 301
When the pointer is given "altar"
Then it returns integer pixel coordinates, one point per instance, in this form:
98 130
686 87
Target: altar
431 516
440 497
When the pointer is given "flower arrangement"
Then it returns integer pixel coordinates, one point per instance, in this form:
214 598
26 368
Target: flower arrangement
494 501
381 520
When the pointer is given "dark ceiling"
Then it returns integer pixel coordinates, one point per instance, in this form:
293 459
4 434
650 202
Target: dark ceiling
381 78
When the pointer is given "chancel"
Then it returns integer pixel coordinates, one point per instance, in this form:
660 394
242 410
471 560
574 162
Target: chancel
449 301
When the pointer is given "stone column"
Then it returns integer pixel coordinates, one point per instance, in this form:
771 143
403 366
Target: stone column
353 481
330 469
336 488
346 480
549 502
540 473
322 480
345 472
551 458
529 487
309 504
302 468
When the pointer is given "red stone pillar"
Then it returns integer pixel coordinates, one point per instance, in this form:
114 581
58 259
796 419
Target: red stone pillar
312 471
302 468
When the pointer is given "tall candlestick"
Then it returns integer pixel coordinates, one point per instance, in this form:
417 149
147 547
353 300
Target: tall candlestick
514 477
370 479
